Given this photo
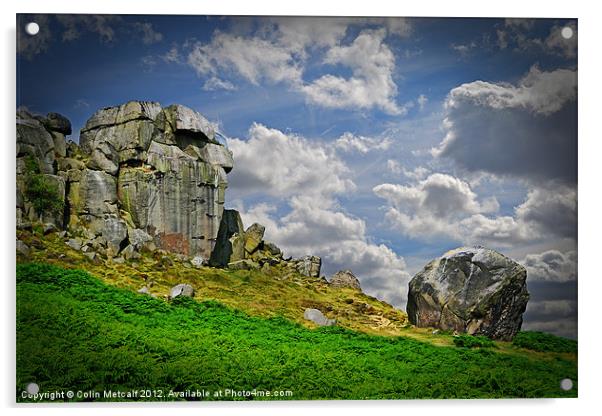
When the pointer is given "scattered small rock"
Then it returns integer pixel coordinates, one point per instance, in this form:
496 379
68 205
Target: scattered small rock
144 290
183 289
74 244
197 261
245 264
49 228
22 248
318 317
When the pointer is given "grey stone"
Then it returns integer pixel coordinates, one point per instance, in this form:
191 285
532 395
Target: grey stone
245 264
138 238
90 254
226 248
308 266
130 253
35 141
180 202
113 229
130 111
345 278
22 248
216 154
253 237
118 260
59 123
318 317
60 144
183 289
178 118
49 228
144 290
473 290
272 248
197 261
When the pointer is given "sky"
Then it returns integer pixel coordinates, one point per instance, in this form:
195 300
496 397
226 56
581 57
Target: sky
377 144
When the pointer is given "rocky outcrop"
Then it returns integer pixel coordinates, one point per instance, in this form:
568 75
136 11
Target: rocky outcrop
308 266
142 177
138 166
470 289
345 278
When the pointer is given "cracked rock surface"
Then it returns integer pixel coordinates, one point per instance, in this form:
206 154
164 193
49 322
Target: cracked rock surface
470 289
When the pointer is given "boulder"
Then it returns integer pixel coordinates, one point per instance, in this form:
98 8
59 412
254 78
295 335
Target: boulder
345 278
253 237
138 238
22 248
197 261
308 266
183 289
272 248
228 249
470 289
318 317
33 141
58 123
75 244
144 290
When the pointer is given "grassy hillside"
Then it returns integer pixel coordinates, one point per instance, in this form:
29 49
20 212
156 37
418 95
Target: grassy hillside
76 332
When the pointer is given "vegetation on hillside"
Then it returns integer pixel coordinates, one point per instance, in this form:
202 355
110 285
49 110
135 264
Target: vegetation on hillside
42 193
540 341
75 332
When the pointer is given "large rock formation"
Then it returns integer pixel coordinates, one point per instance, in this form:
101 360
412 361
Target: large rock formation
137 166
143 177
473 290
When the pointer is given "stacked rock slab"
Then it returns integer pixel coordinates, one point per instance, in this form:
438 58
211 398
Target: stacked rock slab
470 289
154 163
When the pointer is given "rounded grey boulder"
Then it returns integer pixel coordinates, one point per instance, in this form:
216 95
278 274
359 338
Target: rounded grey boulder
183 289
470 289
318 317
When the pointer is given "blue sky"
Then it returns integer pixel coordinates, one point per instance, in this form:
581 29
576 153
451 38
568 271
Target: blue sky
376 143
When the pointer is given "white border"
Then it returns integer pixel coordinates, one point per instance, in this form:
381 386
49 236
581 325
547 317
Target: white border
590 201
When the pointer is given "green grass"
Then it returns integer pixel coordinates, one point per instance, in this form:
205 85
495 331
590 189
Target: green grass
540 341
470 341
74 332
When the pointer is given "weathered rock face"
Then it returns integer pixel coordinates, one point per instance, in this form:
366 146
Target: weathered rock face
143 177
345 278
154 169
39 145
473 290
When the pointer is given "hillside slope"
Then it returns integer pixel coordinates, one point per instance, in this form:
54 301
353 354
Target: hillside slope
76 333
245 330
